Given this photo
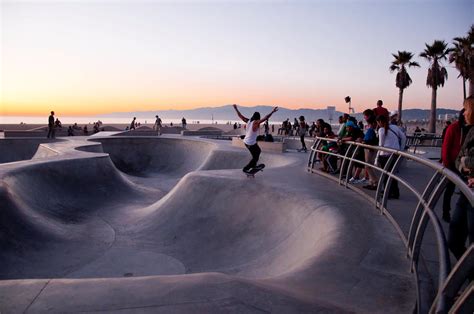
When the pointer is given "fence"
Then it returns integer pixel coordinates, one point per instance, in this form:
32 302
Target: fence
450 293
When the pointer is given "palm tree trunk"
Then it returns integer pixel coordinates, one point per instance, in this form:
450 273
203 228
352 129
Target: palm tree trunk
400 102
432 123
464 86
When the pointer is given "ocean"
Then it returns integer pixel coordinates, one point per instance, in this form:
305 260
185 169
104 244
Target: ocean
92 119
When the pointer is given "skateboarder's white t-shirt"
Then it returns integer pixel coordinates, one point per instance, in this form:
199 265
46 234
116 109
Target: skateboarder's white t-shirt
250 135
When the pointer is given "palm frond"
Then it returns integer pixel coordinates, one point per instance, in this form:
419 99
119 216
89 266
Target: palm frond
394 67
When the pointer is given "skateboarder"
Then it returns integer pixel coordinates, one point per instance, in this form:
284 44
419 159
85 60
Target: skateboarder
250 140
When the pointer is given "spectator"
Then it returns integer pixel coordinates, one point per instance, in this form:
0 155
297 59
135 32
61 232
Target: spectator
342 129
453 140
462 221
51 126
329 161
312 129
370 138
58 123
86 132
443 134
390 136
381 111
70 131
355 134
303 127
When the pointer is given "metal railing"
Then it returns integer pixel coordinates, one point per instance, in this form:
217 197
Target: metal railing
423 140
450 280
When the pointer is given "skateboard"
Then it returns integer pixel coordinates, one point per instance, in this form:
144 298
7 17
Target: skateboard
302 150
251 173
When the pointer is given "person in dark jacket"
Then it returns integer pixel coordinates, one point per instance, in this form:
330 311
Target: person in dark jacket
51 126
453 140
461 227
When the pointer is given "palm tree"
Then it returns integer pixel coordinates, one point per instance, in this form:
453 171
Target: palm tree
463 57
437 74
402 80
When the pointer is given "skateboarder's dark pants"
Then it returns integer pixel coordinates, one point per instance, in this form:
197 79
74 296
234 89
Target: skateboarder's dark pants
461 227
255 151
302 141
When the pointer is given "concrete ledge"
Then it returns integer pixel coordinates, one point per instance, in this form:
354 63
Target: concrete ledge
41 133
201 132
292 143
272 147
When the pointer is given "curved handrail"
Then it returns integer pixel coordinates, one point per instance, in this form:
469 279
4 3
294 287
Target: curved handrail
423 214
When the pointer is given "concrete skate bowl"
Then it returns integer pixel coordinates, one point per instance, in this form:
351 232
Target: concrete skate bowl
235 232
152 156
17 149
48 220
53 232
75 223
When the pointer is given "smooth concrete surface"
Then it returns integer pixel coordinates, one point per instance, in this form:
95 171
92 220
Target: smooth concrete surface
171 224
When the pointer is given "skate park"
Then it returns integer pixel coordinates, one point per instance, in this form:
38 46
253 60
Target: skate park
171 224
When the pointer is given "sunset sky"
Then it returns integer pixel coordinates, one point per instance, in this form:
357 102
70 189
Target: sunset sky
92 57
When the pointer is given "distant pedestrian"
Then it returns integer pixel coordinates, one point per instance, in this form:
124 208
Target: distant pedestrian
51 126
70 131
132 124
157 125
183 123
266 127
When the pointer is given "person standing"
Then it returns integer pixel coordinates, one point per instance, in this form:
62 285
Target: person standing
381 111
157 125
390 136
370 138
51 126
132 124
266 127
453 140
251 133
183 122
461 227
303 127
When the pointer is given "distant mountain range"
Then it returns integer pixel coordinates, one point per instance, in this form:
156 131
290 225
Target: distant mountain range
227 113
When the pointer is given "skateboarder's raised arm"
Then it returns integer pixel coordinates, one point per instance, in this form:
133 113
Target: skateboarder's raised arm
240 115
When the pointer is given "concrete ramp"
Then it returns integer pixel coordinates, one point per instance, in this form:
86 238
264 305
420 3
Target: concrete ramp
148 156
248 230
84 229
